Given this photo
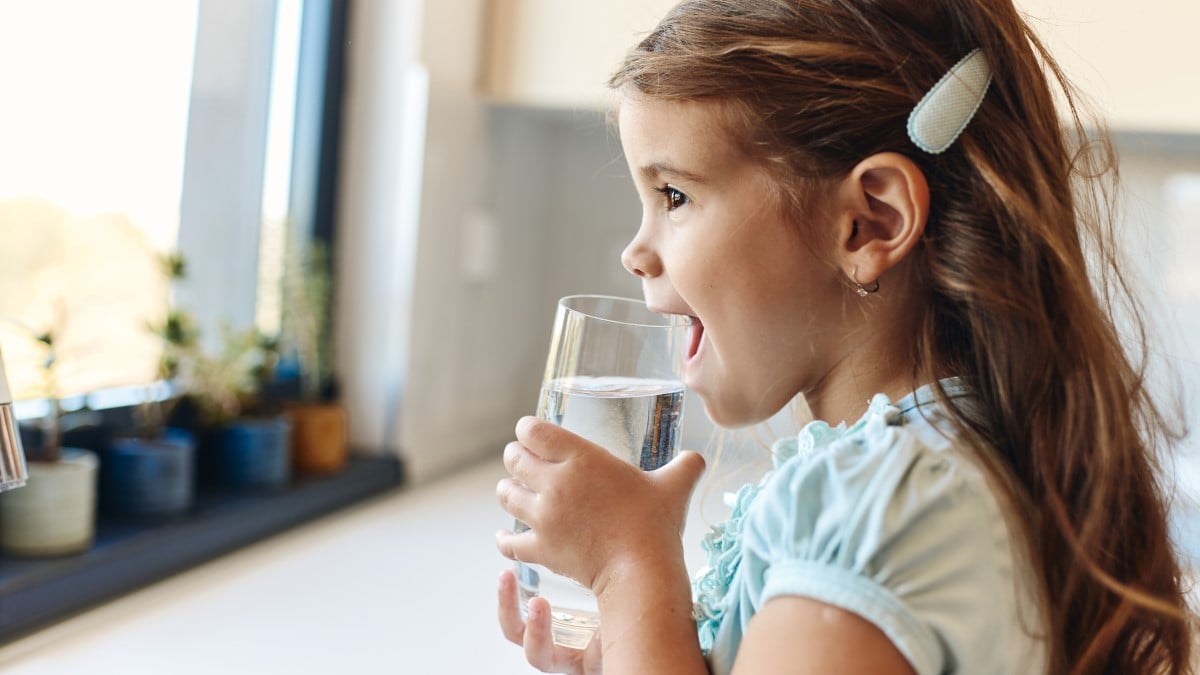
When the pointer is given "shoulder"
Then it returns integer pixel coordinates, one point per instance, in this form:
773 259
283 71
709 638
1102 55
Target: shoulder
894 520
793 635
894 472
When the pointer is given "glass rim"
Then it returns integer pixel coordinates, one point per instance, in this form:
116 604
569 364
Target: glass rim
668 320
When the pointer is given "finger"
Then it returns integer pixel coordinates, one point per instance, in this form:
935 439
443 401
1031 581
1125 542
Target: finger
678 479
549 441
681 474
592 656
509 609
539 639
540 649
523 464
521 547
516 498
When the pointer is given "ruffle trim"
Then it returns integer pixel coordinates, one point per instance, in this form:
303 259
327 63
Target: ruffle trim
723 547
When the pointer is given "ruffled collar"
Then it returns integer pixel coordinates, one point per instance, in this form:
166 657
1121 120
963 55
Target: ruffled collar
881 412
722 544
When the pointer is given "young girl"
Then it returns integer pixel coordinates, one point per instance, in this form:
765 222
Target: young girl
872 204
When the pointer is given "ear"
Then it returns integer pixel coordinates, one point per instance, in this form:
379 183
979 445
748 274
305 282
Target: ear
883 203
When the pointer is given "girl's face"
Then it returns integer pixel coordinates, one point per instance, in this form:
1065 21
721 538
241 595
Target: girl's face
714 245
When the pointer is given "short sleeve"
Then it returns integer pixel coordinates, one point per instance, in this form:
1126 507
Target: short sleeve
908 537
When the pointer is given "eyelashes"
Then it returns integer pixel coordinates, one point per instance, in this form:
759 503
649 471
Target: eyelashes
672 197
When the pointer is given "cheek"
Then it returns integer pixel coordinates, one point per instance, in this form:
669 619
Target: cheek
775 337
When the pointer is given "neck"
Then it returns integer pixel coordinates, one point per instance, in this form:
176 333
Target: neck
877 358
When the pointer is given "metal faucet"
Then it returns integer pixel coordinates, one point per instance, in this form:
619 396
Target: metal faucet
12 456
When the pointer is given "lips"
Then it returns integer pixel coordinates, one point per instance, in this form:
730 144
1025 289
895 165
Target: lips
695 335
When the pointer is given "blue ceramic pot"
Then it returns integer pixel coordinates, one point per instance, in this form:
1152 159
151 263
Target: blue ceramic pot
149 478
251 453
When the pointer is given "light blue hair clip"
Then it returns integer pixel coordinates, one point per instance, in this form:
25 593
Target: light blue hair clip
941 115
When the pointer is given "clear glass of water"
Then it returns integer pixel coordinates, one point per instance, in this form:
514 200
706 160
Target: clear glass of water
612 376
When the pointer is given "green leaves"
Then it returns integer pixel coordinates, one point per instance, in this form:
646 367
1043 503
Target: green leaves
174 266
223 383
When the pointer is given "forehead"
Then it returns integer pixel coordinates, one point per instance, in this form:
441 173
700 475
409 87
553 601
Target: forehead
691 135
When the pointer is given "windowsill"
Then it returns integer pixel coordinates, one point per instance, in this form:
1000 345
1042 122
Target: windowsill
127 556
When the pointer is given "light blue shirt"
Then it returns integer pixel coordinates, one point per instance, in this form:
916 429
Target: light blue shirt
891 519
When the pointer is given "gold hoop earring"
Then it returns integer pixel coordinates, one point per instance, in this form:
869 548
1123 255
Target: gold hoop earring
862 291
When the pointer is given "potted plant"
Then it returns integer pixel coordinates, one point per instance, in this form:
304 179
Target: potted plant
319 422
244 442
149 474
54 514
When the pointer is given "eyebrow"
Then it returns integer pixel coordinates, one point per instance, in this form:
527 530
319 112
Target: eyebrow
659 169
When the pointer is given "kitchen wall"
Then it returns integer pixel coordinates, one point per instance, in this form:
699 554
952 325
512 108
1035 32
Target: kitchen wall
1161 230
431 349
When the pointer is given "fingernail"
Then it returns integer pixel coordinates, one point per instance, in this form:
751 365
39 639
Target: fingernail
523 424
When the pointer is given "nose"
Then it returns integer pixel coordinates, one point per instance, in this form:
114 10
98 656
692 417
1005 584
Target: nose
640 259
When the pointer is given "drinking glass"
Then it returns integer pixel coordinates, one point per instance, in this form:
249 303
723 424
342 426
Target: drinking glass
612 376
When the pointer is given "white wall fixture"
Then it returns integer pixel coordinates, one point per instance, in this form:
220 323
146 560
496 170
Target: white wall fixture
221 205
379 201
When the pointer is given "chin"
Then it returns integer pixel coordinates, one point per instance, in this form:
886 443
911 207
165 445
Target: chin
730 416
735 414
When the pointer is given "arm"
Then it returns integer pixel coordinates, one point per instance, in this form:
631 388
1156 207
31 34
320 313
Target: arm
647 625
793 635
790 635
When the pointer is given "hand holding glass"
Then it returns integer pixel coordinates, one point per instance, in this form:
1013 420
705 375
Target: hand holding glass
612 378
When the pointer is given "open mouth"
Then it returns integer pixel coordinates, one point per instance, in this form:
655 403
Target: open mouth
695 335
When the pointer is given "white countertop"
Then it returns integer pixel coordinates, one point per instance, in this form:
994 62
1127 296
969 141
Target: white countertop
404 583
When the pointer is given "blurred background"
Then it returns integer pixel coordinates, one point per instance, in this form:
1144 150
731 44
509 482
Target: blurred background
453 161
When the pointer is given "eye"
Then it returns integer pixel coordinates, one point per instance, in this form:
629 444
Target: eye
674 198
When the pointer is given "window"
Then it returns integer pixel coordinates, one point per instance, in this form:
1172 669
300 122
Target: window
91 167
132 129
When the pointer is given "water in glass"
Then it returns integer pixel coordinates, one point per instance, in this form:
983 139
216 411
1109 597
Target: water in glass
634 418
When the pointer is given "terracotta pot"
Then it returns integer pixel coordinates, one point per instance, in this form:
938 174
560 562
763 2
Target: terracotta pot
319 437
55 513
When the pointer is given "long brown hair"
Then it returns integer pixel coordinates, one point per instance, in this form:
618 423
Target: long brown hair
1018 262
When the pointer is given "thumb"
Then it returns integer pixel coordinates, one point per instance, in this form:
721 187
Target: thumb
681 474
